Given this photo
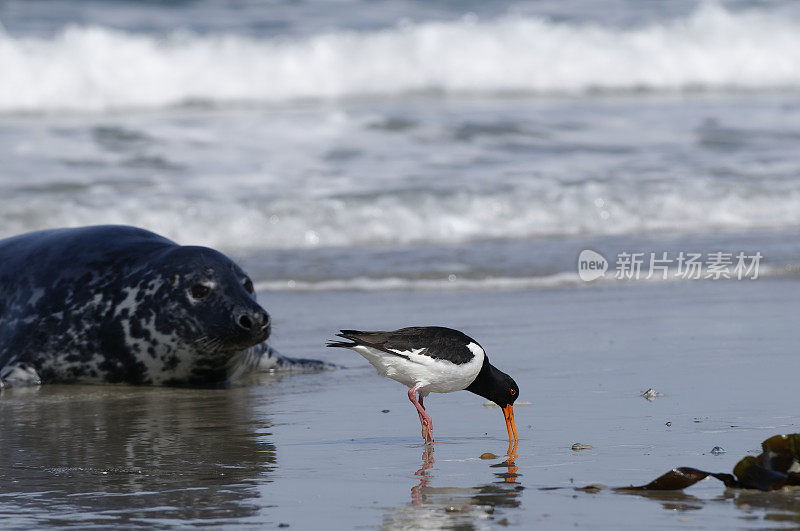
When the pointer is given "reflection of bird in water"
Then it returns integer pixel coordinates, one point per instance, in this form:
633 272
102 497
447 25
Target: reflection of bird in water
434 507
433 359
427 462
511 475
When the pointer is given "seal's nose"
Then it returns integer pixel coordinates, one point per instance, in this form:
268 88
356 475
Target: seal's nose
255 322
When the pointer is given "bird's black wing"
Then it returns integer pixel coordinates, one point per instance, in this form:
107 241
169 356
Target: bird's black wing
433 341
375 340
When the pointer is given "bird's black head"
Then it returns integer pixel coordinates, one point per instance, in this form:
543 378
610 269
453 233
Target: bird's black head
509 392
500 388
495 385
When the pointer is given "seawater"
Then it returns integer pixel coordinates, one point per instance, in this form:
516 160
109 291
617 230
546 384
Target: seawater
393 145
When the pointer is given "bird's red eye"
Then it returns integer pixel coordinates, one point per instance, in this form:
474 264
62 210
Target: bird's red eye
512 392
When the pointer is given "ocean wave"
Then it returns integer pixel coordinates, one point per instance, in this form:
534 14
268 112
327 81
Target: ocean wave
563 279
451 283
96 68
534 210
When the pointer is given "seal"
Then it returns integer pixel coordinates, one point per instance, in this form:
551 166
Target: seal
119 304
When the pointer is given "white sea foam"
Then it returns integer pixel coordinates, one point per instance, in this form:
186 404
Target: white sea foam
455 283
95 68
541 209
451 283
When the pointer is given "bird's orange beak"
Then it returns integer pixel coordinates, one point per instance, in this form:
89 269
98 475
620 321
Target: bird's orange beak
508 412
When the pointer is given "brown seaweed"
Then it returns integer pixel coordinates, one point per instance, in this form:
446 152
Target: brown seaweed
777 466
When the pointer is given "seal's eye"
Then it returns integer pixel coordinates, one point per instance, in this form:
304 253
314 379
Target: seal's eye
199 291
248 286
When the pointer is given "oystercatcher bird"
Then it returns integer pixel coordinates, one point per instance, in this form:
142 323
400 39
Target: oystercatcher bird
434 359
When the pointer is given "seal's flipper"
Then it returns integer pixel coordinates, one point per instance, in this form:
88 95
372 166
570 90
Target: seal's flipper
284 363
264 358
271 360
19 374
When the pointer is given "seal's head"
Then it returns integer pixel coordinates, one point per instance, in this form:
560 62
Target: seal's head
220 297
196 311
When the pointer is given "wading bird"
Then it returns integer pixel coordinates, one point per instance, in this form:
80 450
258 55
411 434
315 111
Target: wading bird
433 359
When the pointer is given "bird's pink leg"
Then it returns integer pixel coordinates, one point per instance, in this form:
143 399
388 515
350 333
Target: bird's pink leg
424 418
428 421
412 395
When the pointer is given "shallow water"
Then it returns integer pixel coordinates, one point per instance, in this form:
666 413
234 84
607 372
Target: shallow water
312 449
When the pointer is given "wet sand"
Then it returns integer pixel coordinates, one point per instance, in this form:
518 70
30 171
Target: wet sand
312 450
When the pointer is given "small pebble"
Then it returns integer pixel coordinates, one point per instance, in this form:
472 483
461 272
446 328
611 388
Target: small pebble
577 447
488 455
718 450
384 410
668 424
651 394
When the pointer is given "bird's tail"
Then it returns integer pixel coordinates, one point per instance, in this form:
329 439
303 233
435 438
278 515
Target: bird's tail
350 335
342 344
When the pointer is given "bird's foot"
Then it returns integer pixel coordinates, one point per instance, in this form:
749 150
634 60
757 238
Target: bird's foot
427 431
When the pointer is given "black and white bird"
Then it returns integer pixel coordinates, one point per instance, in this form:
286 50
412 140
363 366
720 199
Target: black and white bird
434 359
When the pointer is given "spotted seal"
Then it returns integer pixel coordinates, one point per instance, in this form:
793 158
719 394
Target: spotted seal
118 304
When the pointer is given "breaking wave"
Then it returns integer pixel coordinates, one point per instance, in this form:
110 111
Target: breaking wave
96 68
539 209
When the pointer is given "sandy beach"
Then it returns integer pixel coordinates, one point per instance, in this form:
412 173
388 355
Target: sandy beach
308 449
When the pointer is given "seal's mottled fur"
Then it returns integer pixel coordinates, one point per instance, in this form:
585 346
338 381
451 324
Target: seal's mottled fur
115 304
